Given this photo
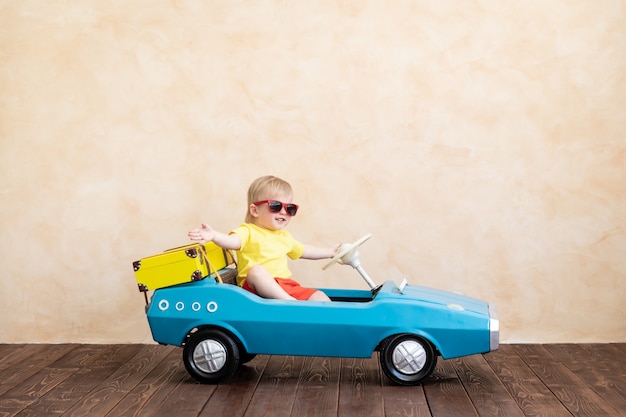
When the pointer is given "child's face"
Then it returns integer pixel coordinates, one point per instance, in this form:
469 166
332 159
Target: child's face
264 218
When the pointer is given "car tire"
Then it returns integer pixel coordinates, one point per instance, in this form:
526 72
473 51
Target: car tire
246 357
211 355
407 359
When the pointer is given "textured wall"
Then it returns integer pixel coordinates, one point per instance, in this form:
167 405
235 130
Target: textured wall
483 143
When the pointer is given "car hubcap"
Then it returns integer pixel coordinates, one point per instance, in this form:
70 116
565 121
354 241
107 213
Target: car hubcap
209 356
409 357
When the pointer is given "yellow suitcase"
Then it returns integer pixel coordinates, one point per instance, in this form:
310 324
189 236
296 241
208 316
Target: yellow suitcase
178 265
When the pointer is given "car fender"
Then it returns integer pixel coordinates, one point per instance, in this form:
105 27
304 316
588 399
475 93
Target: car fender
237 336
416 332
177 312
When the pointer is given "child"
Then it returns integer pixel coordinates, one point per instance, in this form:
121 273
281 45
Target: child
263 245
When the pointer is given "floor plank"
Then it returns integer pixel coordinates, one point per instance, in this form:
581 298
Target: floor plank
487 393
401 401
10 355
233 397
446 394
360 388
24 394
117 385
318 387
561 380
566 385
147 397
93 363
275 392
27 361
604 374
525 388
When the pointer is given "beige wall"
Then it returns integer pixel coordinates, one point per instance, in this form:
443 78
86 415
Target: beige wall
483 143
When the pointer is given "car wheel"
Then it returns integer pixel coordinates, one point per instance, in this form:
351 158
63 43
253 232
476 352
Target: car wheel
211 356
407 359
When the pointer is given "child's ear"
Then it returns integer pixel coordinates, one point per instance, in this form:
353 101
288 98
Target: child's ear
254 210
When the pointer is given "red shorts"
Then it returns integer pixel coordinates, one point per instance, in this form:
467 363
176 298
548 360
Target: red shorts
291 287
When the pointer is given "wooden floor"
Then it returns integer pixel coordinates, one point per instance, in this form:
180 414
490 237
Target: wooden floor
150 380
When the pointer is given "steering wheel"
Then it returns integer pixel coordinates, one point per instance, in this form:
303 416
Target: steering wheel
348 251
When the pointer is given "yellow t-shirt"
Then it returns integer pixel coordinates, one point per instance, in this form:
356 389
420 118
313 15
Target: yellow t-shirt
269 248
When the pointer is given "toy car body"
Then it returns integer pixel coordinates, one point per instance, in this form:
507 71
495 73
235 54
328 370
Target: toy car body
222 326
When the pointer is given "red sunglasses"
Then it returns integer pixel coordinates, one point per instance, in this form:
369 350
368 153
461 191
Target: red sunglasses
276 206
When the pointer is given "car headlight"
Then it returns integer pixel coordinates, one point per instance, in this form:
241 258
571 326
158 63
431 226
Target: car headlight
494 328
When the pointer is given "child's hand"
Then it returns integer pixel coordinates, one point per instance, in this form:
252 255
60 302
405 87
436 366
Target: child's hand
202 235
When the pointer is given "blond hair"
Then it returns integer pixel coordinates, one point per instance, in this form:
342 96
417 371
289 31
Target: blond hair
264 187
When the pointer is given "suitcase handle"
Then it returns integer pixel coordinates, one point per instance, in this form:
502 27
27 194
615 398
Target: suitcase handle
209 266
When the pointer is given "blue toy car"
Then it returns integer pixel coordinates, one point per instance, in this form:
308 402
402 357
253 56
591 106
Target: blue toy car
222 326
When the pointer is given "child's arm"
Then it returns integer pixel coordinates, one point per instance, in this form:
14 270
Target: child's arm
207 234
314 252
